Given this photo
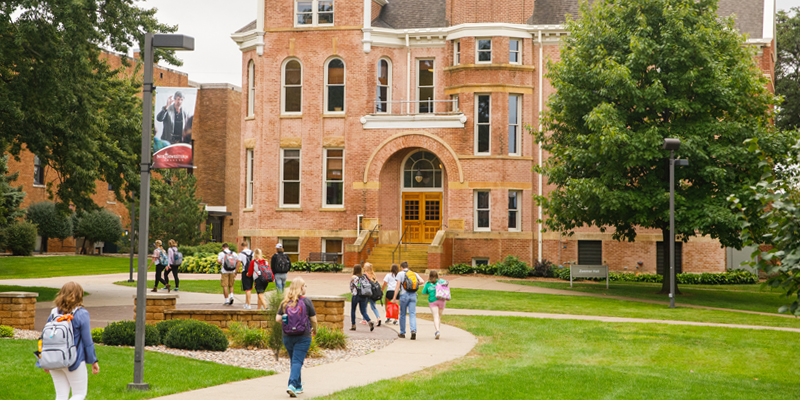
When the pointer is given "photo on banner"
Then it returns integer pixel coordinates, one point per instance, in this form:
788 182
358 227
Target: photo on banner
174 113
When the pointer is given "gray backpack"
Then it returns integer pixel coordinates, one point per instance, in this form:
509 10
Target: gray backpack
364 287
58 342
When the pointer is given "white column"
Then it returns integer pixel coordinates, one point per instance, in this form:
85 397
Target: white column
260 26
367 40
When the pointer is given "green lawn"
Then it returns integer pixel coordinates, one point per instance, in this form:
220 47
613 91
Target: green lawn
524 358
748 297
45 293
201 286
166 374
47 267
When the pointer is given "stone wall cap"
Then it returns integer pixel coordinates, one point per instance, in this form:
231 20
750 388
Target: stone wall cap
159 296
19 294
327 298
184 311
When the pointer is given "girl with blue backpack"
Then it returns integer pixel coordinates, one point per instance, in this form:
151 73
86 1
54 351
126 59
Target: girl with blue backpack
359 285
161 260
298 318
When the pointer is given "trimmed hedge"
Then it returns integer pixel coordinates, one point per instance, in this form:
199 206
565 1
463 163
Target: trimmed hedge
165 326
205 264
123 333
739 277
97 335
208 248
303 266
196 335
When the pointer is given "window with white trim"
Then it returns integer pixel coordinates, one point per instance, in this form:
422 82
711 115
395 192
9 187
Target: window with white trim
425 86
456 52
251 88
515 51
249 242
334 86
333 245
514 115
313 13
334 177
290 178
292 87
482 210
384 94
38 171
291 247
249 176
514 217
483 124
484 51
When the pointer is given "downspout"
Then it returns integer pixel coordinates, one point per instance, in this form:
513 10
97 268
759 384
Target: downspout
367 40
541 190
408 76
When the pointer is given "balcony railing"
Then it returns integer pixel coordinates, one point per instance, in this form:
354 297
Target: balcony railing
415 107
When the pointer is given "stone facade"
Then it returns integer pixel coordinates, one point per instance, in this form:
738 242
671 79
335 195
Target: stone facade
18 309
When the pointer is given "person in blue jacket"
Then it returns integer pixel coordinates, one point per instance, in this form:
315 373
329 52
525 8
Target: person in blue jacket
75 377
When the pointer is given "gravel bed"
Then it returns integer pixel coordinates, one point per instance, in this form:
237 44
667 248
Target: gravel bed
257 358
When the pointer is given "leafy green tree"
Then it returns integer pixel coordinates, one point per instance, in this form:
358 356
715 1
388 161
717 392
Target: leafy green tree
49 222
787 68
100 226
20 238
60 100
632 73
10 198
175 210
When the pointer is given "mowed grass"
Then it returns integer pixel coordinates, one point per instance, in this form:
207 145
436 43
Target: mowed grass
45 293
48 267
200 285
748 297
165 373
526 358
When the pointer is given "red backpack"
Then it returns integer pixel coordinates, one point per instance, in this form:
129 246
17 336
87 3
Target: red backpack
264 271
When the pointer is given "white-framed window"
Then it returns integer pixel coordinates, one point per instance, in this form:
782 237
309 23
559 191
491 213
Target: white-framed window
425 86
38 171
384 92
515 51
290 178
514 208
483 123
249 176
291 247
476 261
455 106
249 242
514 116
482 210
313 13
334 86
483 51
292 87
333 245
251 88
456 52
334 178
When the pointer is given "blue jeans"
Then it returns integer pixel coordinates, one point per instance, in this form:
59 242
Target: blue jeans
280 282
408 304
297 347
374 309
362 303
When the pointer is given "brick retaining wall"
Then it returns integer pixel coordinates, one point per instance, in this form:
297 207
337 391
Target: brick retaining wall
18 309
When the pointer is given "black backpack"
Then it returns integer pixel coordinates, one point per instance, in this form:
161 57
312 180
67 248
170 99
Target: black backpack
377 291
249 257
283 264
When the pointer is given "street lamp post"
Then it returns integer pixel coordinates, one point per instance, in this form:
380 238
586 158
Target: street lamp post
672 145
151 41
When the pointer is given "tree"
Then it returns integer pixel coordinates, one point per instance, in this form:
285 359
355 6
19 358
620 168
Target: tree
175 210
60 100
20 238
635 72
49 222
10 198
787 68
100 226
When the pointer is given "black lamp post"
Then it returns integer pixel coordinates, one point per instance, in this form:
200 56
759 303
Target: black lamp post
672 145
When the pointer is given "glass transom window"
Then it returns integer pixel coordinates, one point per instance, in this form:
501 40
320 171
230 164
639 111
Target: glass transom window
422 170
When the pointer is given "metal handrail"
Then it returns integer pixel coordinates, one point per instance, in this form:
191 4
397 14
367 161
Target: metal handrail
371 232
387 108
400 256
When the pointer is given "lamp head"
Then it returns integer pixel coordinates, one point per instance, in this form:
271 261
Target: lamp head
672 144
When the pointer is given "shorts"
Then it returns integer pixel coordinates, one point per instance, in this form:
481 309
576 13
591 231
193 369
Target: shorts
261 286
438 304
389 295
247 282
227 280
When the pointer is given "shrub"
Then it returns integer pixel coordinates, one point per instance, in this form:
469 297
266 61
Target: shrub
20 238
513 267
196 335
97 335
724 278
6 331
314 267
208 248
203 264
245 336
275 341
542 269
123 333
330 338
165 326
488 269
461 269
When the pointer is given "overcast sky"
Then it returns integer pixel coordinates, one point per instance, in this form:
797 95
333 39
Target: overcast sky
216 58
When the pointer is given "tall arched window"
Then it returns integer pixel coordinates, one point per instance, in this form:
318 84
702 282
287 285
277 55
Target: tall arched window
251 88
384 95
422 170
292 88
334 86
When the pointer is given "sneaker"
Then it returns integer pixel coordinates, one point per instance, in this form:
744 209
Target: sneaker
394 322
401 335
413 335
371 326
363 322
292 391
299 390
226 303
247 307
176 289
231 300
379 322
388 320
437 335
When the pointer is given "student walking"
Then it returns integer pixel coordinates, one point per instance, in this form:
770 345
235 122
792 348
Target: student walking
299 321
69 302
259 264
435 303
357 283
161 260
175 260
389 285
369 272
409 282
246 258
229 260
281 265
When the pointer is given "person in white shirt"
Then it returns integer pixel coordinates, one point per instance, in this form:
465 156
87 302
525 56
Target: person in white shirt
389 285
228 272
408 301
245 257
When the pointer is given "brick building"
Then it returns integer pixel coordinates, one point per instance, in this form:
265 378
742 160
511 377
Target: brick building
374 122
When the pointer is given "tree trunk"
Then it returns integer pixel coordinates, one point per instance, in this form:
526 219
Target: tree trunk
666 237
44 245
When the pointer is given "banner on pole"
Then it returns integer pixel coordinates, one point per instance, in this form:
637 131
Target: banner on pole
174 113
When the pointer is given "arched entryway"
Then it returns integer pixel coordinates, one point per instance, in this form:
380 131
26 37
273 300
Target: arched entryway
422 180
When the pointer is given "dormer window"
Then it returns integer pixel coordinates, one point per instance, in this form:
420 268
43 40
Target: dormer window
313 13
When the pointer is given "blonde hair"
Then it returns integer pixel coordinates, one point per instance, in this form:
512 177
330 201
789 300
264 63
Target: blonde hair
258 255
158 243
69 297
173 243
293 293
369 271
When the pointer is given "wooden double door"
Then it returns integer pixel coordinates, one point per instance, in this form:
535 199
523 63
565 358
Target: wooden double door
422 216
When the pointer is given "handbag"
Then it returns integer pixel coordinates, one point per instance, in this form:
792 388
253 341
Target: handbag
392 310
